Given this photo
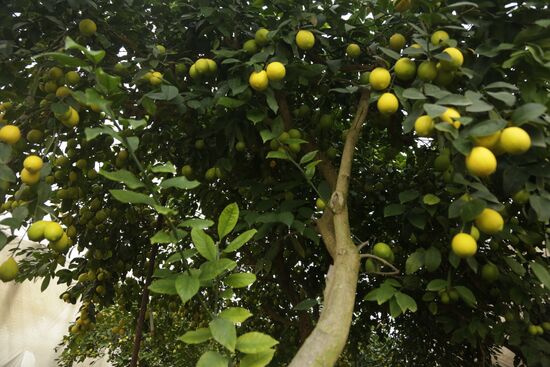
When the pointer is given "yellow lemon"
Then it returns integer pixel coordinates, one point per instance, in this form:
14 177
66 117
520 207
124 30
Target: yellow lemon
353 50
456 56
10 134
73 118
62 92
258 80
427 71
261 37
29 178
489 221
155 78
201 65
488 141
275 71
8 270
87 27
405 69
515 140
397 41
439 37
53 231
450 115
387 104
464 245
212 66
36 231
61 244
379 78
305 40
424 126
33 163
193 73
481 162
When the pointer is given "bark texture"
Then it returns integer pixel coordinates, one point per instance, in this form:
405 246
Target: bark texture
327 340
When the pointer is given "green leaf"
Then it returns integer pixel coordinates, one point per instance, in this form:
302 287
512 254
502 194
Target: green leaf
180 182
542 273
393 210
167 167
204 244
395 310
131 197
541 206
196 336
257 359
228 219
277 154
471 209
508 98
498 85
230 102
414 262
255 342
187 286
6 173
212 359
224 332
430 199
308 157
256 115
528 112
211 269
413 93
63 59
197 223
236 315
167 93
466 295
391 53
405 302
432 259
436 284
238 242
93 56
240 280
454 100
107 83
306 304
124 176
271 101
94 132
163 237
164 286
487 127
409 195
434 110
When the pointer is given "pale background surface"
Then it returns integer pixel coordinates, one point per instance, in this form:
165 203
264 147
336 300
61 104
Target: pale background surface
32 323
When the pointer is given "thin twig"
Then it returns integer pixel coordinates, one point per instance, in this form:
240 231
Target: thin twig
374 257
360 246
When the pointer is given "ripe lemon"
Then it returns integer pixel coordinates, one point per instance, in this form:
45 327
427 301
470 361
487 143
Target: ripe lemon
8 270
155 78
10 134
481 162
73 118
439 37
305 40
464 245
258 80
275 71
61 244
53 231
261 37
490 272
33 163
384 251
193 73
212 67
405 69
515 140
397 41
456 56
36 231
387 104
201 65
427 71
87 27
424 126
29 178
379 78
489 221
353 50
450 115
250 46
488 141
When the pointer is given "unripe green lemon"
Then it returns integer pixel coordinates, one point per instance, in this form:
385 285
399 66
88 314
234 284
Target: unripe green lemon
251 47
488 141
397 41
490 272
261 37
405 69
353 50
320 204
384 251
87 27
72 77
427 71
9 270
61 244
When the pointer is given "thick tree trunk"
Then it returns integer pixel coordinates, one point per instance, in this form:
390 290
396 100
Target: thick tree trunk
327 340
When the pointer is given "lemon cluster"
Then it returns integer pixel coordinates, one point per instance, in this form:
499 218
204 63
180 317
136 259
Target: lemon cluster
203 68
274 72
51 231
30 174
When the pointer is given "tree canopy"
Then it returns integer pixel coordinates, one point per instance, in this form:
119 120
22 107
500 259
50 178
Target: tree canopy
302 183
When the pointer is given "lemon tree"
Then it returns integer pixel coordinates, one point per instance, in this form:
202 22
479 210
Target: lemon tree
223 183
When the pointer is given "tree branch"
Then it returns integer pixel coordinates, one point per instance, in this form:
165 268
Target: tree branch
394 271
